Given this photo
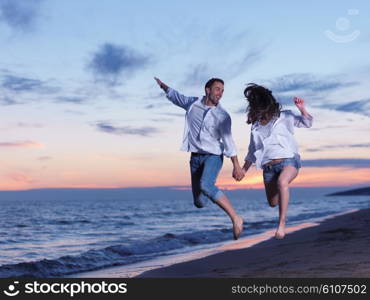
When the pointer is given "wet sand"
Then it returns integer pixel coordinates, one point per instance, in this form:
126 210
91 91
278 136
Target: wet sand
337 247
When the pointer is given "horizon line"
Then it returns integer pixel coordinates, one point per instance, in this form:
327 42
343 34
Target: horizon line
174 187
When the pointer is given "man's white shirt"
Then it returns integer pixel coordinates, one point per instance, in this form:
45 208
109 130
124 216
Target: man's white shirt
207 130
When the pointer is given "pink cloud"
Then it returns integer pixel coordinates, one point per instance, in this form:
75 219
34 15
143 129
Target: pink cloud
23 144
21 177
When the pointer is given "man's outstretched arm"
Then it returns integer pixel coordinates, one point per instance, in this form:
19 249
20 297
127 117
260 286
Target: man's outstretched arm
174 96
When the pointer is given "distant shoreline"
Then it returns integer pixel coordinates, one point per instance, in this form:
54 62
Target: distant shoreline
355 192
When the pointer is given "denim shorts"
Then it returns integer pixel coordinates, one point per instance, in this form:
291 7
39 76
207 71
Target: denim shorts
272 172
204 170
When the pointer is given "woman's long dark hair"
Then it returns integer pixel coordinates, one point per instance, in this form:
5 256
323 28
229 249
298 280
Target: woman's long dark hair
262 104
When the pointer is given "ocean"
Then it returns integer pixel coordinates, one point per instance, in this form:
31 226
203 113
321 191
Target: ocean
61 232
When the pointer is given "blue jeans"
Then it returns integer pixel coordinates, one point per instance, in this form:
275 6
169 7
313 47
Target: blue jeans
272 172
204 170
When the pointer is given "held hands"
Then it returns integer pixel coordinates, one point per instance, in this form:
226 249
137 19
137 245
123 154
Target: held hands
238 173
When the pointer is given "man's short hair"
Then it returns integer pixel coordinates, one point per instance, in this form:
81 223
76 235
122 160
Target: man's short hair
212 81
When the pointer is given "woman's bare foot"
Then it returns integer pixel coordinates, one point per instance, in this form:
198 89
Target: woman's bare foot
280 233
238 227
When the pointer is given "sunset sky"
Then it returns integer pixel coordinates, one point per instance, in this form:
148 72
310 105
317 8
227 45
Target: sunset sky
79 106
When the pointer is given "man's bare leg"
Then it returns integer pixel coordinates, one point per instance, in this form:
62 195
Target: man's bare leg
237 220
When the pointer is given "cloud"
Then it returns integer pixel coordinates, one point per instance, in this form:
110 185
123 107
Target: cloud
74 112
199 75
127 158
7 101
362 107
328 127
22 125
341 162
44 158
173 115
157 105
24 144
305 82
29 125
21 177
364 145
111 62
166 120
23 84
126 130
225 51
316 89
202 72
17 87
74 100
20 14
20 83
240 66
160 95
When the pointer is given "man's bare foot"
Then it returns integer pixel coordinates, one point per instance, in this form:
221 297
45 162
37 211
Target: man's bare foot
238 227
280 233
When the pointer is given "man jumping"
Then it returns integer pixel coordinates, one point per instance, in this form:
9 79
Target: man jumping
207 135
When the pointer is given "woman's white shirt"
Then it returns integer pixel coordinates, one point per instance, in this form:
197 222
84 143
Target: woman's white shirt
275 139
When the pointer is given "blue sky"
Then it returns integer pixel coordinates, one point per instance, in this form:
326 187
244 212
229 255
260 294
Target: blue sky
79 106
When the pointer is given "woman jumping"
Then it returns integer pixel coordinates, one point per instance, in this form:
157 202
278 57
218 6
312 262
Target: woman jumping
273 147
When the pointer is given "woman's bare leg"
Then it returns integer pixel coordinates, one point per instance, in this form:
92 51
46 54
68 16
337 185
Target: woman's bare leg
286 176
272 193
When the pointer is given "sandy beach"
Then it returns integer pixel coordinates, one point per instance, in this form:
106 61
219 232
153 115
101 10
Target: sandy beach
337 247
